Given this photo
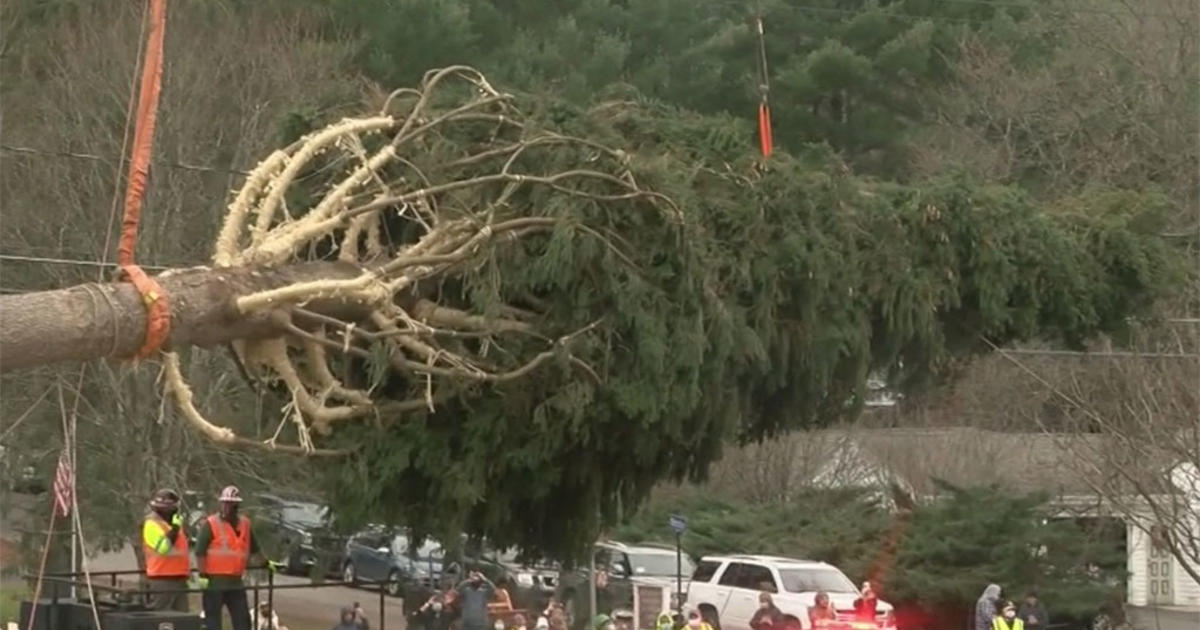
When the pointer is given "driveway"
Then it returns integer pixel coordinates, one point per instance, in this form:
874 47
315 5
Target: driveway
1163 617
300 604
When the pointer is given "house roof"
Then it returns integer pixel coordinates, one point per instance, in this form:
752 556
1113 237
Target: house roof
963 456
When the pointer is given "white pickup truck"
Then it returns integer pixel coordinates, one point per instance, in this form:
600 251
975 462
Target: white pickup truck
725 590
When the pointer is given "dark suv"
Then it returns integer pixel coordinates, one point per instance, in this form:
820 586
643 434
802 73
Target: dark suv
625 566
530 583
377 554
302 538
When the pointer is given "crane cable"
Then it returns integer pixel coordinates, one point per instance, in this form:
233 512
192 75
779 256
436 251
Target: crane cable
764 88
158 311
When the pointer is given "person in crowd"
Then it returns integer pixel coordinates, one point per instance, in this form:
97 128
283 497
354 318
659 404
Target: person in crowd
1007 619
867 604
346 620
985 607
474 595
265 618
165 547
603 622
822 610
432 615
695 621
542 623
519 622
554 603
665 621
501 600
606 598
557 619
1032 612
360 617
768 616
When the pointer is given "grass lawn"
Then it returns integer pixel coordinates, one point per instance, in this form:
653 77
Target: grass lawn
11 594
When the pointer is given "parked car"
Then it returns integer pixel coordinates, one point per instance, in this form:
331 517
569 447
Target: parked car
725 589
377 554
292 531
303 538
530 582
627 566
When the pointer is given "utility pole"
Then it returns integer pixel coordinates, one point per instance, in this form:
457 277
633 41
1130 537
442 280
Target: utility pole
678 523
591 588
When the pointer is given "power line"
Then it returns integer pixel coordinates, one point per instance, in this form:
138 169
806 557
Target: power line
1040 7
70 261
1105 354
98 158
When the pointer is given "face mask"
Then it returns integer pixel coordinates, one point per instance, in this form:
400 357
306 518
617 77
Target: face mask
437 606
1009 614
499 625
694 623
764 605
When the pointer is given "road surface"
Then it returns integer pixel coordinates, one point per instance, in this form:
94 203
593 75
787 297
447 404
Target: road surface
299 608
1163 618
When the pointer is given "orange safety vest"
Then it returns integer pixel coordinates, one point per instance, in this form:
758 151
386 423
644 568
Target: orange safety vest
229 551
173 563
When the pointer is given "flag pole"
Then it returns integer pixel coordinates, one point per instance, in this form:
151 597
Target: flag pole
74 529
68 453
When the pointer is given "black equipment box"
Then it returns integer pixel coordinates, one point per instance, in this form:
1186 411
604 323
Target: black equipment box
65 614
150 620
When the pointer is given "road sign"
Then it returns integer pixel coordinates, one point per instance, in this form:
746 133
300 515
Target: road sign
678 523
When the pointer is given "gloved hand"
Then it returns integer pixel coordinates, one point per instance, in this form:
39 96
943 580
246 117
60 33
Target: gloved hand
274 567
199 581
176 520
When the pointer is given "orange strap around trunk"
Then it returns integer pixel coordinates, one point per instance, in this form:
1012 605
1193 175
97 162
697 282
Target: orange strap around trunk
158 311
764 129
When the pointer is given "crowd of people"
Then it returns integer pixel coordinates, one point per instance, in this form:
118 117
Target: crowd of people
472 603
820 613
993 613
225 544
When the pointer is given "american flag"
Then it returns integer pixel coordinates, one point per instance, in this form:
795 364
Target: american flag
63 484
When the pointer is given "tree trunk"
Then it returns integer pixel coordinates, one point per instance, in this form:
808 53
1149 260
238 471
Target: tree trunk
94 321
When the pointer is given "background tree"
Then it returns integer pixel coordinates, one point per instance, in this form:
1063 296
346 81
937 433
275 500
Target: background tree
979 536
68 69
667 292
932 562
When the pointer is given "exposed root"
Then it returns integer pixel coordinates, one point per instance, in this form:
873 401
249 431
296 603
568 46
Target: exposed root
362 191
176 385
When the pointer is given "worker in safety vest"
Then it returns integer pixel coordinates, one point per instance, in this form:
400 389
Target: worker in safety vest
224 545
1007 619
165 548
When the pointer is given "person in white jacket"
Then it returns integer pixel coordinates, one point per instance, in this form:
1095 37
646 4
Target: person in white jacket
264 618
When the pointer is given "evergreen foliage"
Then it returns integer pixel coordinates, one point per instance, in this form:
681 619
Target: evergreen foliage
978 536
942 556
760 308
857 75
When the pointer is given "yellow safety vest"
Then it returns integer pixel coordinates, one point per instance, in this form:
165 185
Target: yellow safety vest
1000 623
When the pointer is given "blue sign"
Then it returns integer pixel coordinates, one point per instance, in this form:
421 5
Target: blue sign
678 523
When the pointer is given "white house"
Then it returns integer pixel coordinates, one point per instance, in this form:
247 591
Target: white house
912 458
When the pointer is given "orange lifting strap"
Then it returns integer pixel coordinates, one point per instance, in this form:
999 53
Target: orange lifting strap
158 311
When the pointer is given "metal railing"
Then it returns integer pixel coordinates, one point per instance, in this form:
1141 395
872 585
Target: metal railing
123 597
